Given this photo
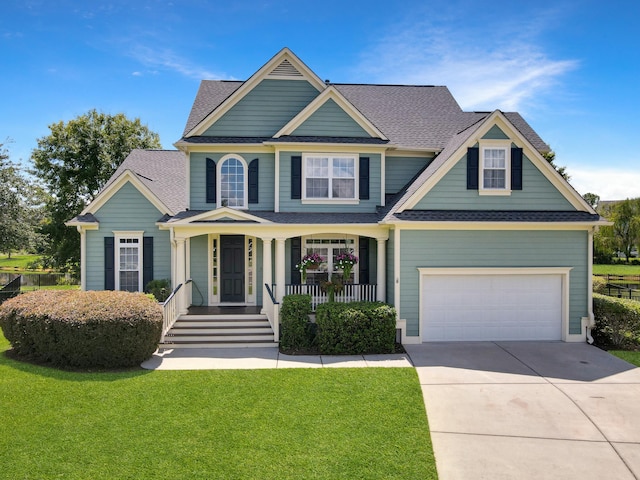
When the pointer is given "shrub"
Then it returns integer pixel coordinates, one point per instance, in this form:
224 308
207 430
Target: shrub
617 322
356 328
296 332
71 328
160 289
599 285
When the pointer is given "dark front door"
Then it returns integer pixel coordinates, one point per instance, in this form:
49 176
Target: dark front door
232 266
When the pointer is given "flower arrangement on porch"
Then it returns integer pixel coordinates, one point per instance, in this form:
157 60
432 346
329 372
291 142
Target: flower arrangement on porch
345 261
310 261
331 287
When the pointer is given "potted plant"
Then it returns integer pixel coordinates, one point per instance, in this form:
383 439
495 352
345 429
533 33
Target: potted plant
310 261
331 287
345 261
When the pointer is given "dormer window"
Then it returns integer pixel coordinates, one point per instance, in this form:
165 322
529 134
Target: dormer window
494 168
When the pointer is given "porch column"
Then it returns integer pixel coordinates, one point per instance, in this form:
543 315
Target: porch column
382 270
267 276
280 262
180 274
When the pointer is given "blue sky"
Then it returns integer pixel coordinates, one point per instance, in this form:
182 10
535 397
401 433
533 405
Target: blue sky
571 68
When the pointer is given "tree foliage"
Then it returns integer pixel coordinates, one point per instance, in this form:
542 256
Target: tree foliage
551 158
592 199
19 213
624 235
74 162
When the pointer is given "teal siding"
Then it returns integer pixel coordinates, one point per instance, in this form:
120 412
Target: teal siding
399 170
331 121
200 270
197 178
265 109
451 193
493 249
289 205
495 133
126 210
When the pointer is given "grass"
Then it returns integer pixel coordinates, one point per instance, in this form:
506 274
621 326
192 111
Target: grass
628 356
269 424
17 262
618 269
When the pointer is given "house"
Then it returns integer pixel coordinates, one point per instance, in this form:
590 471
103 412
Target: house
456 218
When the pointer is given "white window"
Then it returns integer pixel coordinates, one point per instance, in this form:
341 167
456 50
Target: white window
232 182
128 261
328 249
495 171
329 177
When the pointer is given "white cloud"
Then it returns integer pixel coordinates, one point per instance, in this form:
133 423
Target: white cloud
609 184
169 60
137 74
485 67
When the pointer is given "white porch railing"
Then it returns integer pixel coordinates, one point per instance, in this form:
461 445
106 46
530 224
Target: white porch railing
173 306
349 293
272 310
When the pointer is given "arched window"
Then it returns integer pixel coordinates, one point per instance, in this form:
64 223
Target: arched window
232 182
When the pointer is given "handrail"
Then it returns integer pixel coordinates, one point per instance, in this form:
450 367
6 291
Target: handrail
272 310
170 310
11 289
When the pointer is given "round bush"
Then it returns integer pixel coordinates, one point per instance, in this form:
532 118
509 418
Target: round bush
72 328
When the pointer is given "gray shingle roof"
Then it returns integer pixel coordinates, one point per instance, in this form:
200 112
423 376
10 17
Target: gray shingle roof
162 171
210 94
496 216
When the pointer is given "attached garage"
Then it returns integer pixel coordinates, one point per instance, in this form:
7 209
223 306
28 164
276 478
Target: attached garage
488 304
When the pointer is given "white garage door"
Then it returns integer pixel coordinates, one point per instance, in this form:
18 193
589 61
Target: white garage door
491 307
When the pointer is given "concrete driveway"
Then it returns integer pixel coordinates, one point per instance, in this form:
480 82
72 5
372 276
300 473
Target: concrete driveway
530 410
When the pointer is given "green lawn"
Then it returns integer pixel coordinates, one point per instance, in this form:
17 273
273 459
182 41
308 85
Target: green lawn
17 262
616 269
631 357
364 423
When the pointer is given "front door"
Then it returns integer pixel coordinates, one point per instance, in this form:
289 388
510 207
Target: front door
232 268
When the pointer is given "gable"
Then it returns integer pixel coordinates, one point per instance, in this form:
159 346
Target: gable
495 133
264 110
451 193
126 209
330 120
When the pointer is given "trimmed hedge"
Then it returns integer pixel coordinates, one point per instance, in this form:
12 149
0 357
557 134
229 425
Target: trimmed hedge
599 284
356 328
72 328
296 335
617 322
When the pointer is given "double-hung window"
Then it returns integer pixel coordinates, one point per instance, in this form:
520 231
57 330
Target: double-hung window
128 262
495 174
329 177
232 178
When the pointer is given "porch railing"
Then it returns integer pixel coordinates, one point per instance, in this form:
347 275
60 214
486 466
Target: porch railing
172 307
272 310
349 293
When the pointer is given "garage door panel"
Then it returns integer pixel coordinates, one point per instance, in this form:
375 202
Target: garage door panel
492 307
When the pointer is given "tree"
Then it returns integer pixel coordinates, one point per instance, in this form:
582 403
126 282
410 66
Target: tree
18 214
624 235
592 199
551 158
75 161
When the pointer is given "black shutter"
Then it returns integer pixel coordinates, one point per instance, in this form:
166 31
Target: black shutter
253 181
109 258
296 256
363 260
211 181
364 178
296 177
516 169
473 155
147 261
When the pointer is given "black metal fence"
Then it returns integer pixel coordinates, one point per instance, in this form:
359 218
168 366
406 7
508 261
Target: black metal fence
623 286
11 289
36 281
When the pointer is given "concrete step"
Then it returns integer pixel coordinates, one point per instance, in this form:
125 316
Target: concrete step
219 330
221 323
255 344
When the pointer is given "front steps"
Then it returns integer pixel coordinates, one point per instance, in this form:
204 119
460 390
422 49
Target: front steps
220 331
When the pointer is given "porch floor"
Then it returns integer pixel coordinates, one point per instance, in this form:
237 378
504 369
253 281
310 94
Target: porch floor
218 310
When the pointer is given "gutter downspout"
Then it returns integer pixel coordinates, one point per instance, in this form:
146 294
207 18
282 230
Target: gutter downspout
591 319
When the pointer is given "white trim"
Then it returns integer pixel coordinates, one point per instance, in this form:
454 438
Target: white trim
217 214
255 79
503 145
396 270
128 235
114 187
498 118
383 178
188 180
276 200
330 94
564 272
330 199
245 175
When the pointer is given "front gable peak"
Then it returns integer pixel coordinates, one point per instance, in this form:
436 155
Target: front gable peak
223 214
285 65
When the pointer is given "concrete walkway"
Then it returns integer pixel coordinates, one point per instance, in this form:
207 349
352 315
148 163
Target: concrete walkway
259 358
530 410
